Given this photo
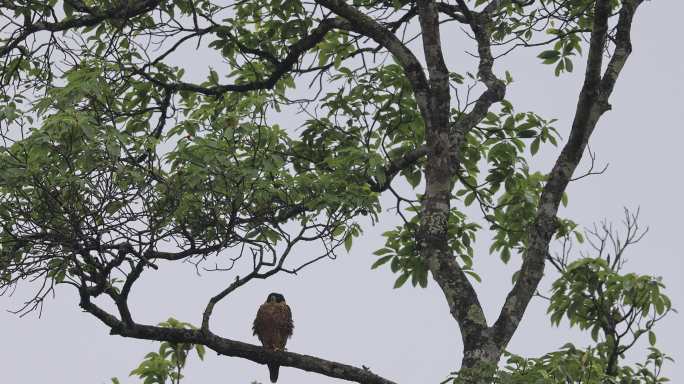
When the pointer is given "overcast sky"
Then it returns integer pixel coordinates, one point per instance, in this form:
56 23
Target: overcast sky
344 311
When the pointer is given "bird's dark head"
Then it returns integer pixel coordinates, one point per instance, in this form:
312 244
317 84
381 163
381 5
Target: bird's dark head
274 297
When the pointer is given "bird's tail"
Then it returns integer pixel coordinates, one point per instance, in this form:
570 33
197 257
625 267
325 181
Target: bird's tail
273 370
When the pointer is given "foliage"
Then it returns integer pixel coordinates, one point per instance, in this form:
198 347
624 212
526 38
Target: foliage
572 365
594 293
401 249
167 364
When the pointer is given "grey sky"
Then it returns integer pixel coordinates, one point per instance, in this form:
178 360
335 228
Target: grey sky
344 311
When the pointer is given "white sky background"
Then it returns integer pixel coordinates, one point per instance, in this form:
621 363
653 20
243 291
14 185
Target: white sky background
343 311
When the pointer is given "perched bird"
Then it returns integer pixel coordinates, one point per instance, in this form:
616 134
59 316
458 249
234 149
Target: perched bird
273 325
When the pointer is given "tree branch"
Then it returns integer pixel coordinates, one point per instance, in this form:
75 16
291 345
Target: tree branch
232 348
461 297
95 17
295 51
398 165
592 103
363 24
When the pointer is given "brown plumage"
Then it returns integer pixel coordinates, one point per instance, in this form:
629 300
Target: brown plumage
273 325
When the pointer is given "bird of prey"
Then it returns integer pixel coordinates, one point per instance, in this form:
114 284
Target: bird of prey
273 325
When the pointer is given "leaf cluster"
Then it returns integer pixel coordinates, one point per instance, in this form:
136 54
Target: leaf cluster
167 363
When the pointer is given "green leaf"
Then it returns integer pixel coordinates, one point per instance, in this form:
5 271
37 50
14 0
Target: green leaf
651 338
401 280
114 207
68 9
348 242
383 251
559 68
549 57
213 76
514 277
338 231
568 64
423 278
659 305
509 78
413 178
381 261
505 254
527 133
199 348
534 147
595 332
473 275
469 199
395 265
